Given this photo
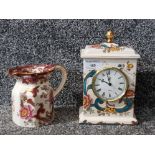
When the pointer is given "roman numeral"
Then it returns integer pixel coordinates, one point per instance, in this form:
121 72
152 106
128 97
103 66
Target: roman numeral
120 89
98 90
116 93
121 83
109 95
108 72
103 94
120 77
115 72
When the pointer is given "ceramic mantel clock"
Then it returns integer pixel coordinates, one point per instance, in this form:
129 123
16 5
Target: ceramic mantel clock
109 83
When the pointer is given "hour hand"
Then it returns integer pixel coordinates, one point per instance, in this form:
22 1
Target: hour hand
109 78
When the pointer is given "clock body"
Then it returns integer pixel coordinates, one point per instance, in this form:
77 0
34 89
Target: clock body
109 81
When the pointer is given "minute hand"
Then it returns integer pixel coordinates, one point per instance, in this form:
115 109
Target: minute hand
106 82
108 77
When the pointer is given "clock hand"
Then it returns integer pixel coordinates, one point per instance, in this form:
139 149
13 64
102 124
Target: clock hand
108 77
102 80
106 82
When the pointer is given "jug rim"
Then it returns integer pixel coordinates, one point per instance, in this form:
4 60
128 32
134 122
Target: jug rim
33 69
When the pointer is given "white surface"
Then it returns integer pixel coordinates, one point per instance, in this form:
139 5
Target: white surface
125 52
85 116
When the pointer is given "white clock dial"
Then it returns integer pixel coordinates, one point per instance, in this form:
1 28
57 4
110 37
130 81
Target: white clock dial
110 84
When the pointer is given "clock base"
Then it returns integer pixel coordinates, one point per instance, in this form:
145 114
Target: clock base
86 117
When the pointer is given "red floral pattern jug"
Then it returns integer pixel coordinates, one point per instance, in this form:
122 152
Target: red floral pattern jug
33 96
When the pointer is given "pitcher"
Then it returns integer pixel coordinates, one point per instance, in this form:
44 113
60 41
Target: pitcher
33 96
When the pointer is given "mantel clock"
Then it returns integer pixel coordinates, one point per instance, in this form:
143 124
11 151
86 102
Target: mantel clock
109 80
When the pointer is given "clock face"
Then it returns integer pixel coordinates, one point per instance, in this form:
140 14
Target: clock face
110 84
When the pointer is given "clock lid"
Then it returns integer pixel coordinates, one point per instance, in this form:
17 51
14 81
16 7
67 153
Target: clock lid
108 50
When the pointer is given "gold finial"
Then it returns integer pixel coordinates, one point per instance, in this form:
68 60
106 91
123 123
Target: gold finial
110 36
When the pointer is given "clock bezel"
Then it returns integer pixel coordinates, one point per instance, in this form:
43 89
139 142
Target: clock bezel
116 69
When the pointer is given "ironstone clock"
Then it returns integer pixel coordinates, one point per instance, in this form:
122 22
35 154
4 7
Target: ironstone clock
109 83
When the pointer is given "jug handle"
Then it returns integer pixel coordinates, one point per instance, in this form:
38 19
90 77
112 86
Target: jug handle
63 71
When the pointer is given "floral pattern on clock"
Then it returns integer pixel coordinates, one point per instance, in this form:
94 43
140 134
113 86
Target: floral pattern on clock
123 104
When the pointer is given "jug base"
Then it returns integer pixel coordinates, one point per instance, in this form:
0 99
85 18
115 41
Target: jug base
32 124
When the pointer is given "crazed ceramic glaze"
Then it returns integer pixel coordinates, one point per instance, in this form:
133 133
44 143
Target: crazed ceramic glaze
96 110
33 96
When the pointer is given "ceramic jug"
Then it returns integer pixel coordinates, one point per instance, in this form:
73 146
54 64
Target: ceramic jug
33 96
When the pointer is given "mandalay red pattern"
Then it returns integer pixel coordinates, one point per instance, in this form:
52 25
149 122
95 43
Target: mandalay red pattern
33 96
